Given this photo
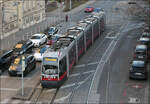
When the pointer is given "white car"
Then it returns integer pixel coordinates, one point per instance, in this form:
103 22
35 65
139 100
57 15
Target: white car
38 55
38 39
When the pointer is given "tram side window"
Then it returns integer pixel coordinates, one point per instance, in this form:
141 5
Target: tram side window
63 65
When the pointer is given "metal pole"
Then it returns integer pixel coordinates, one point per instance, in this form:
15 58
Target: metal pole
23 68
70 5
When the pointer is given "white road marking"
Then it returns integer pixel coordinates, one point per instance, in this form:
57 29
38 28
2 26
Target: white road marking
62 98
113 37
73 84
4 76
107 89
77 74
8 89
103 61
83 65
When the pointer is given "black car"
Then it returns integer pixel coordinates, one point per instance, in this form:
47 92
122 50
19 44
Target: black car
15 68
140 53
5 60
146 29
52 31
23 47
138 70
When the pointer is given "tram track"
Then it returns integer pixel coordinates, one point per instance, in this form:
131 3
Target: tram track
43 95
77 82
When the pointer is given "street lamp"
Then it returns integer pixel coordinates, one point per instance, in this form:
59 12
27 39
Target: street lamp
70 4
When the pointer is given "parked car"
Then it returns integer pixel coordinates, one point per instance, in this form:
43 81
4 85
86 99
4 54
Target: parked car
54 38
52 31
145 35
89 9
146 29
140 53
15 68
145 41
138 70
39 53
23 47
38 39
97 10
5 60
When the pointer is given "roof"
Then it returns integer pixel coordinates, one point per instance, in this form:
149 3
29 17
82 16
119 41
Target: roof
82 24
38 34
51 53
141 47
144 39
138 63
74 31
90 19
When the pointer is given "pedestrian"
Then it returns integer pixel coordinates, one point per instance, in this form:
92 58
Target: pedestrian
66 18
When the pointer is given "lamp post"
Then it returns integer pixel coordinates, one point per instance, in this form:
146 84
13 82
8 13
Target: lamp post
70 4
23 68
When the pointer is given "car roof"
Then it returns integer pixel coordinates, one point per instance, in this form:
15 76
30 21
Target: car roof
141 47
138 62
52 27
144 39
40 34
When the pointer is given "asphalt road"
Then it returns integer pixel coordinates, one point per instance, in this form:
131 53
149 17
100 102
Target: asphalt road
109 56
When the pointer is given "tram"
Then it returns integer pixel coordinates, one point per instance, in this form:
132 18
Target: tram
59 59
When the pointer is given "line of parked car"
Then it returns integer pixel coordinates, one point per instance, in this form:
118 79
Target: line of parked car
31 49
141 57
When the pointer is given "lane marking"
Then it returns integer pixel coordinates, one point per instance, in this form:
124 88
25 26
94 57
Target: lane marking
77 74
107 89
8 89
101 66
79 83
4 76
113 37
83 65
73 84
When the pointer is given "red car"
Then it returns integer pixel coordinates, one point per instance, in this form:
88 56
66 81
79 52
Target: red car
89 9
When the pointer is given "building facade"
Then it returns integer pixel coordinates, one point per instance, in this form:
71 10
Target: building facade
20 14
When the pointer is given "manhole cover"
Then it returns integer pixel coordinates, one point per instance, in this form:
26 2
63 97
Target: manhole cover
133 100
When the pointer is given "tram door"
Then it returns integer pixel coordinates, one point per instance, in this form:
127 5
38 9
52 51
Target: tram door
62 66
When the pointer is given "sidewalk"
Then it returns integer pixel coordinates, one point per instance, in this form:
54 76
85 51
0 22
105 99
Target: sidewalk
52 19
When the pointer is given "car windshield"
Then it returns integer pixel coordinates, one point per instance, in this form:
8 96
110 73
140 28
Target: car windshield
35 37
50 69
138 65
51 30
140 53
